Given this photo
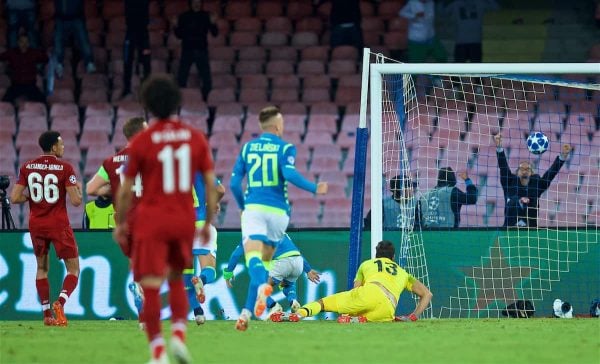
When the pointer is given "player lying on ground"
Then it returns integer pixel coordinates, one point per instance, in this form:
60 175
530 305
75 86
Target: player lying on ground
288 265
377 288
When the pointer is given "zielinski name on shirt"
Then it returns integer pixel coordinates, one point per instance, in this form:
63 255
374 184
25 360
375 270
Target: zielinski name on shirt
171 136
45 167
264 147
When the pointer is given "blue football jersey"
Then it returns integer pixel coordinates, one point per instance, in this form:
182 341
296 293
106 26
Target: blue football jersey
262 161
199 195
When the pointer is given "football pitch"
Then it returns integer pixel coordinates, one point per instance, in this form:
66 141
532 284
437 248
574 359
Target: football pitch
426 341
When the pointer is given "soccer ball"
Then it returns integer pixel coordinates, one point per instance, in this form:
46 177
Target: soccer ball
537 142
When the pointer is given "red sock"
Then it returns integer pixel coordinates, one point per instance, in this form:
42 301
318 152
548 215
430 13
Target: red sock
68 287
151 311
43 290
178 301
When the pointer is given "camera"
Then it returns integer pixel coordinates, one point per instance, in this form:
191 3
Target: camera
4 182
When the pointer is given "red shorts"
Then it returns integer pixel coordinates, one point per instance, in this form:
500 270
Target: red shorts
62 239
160 245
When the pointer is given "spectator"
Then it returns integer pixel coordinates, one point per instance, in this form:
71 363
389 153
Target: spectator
99 214
468 21
137 18
345 26
192 28
22 62
441 205
378 285
523 190
69 19
397 205
49 221
422 41
20 14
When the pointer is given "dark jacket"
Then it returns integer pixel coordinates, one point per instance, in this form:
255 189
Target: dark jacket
69 9
513 189
193 27
137 15
22 66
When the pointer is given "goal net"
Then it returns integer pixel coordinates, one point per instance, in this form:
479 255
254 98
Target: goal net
432 130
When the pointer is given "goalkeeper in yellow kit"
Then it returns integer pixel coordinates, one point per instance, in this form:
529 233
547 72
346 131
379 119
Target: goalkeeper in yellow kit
377 287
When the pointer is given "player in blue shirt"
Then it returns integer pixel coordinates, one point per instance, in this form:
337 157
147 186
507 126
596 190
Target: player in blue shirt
288 265
203 270
268 163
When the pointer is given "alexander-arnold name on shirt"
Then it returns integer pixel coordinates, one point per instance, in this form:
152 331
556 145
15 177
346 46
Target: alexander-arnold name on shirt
171 136
45 167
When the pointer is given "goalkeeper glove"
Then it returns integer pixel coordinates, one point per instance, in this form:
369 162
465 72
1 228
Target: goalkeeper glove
411 317
227 275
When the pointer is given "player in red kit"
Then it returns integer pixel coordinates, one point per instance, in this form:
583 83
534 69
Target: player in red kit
48 181
167 155
106 182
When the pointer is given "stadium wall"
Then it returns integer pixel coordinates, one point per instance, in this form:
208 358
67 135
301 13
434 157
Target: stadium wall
451 258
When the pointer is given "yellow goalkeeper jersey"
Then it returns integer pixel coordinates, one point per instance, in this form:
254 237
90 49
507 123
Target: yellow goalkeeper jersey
387 273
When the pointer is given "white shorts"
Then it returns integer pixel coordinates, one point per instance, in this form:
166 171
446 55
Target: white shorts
264 226
210 248
287 269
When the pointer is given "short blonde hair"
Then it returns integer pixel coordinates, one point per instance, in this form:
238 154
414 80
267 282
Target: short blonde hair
267 113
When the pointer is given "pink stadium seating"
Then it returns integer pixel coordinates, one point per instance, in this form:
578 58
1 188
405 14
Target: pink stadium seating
249 24
323 108
323 123
223 139
305 220
316 95
299 10
269 9
281 67
220 96
283 53
253 53
35 109
320 164
92 139
237 9
253 96
279 24
304 39
294 123
8 127
33 123
6 109
243 68
310 67
242 39
286 82
99 123
66 123
347 95
227 123
273 39
280 95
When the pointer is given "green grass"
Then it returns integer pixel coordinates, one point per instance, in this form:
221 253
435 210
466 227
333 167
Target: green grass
426 341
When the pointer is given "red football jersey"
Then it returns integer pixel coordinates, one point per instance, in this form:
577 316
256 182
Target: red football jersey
167 155
47 179
114 167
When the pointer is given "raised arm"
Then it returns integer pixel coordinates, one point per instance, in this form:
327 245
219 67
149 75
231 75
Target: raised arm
505 173
555 167
469 198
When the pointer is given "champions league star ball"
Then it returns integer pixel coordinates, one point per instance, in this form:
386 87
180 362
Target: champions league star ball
537 142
